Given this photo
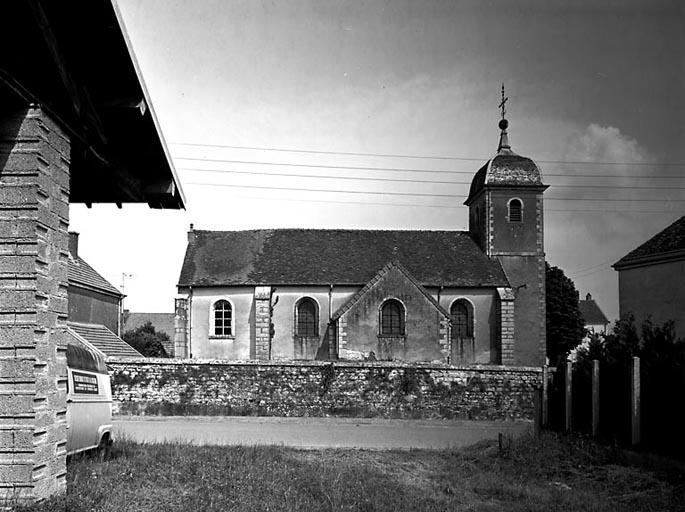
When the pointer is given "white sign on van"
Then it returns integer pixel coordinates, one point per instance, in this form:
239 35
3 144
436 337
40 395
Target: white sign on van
84 383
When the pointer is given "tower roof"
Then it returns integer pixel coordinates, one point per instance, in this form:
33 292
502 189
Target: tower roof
506 168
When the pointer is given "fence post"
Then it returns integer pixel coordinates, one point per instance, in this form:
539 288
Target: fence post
545 390
635 401
595 397
568 399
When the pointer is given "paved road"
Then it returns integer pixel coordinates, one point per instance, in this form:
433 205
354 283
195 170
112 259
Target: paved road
315 432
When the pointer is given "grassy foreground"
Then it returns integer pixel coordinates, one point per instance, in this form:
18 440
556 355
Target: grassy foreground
550 473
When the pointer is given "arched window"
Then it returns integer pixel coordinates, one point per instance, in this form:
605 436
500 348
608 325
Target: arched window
306 318
515 210
462 319
223 318
392 318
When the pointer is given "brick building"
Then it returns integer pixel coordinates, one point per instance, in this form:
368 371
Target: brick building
461 297
650 279
76 125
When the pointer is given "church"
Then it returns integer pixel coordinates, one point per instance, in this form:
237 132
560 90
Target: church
449 297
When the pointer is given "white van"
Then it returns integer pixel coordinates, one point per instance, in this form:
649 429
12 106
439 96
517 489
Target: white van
89 398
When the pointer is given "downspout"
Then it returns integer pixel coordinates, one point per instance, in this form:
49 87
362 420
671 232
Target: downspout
120 315
190 320
330 305
332 332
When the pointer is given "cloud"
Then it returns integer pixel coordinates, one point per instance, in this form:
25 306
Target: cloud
605 144
585 243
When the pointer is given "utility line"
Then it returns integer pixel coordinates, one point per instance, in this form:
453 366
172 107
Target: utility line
426 157
416 194
400 180
443 206
403 169
580 271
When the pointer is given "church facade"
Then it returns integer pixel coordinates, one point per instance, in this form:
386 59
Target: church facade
455 297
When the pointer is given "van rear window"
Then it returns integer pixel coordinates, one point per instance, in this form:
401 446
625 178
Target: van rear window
84 383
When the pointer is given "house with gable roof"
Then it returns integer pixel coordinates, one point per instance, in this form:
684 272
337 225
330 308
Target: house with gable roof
650 279
594 318
94 307
457 297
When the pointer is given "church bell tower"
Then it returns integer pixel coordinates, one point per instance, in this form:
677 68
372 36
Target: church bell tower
506 221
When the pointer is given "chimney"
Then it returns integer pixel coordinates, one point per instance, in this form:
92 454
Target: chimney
191 234
588 297
73 244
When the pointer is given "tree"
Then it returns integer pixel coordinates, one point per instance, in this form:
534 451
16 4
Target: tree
147 341
565 324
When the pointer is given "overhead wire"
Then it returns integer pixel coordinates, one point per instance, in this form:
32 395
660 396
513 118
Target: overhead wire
415 194
410 156
411 180
404 169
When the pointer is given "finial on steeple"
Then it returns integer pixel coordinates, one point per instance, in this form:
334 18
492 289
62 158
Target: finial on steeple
503 124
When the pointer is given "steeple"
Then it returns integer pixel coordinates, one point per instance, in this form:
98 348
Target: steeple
503 145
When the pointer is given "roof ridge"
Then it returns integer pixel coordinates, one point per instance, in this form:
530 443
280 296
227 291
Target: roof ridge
375 279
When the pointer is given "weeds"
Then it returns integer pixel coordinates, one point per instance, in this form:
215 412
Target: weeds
549 473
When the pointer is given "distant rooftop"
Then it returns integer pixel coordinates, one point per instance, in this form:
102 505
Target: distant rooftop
666 245
103 339
591 312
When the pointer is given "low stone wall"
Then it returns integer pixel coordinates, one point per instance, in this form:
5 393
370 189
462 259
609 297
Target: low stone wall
312 388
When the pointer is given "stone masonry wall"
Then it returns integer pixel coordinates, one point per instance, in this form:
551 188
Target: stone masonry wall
313 388
34 216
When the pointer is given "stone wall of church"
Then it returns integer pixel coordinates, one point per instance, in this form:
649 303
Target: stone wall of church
422 338
313 388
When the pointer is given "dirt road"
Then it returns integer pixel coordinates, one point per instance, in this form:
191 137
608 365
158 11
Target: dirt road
315 432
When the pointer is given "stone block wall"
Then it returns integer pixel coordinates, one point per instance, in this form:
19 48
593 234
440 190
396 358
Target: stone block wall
313 388
34 216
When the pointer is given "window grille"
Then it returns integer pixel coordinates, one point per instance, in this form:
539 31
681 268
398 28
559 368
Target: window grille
462 320
223 318
307 323
392 318
515 211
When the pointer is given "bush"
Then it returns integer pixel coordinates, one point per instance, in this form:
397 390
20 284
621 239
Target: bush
147 341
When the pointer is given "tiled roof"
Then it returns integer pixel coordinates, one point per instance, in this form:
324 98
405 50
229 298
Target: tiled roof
162 322
591 312
83 275
506 169
666 244
104 340
335 256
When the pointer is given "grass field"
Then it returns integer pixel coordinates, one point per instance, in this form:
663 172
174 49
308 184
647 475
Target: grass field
549 473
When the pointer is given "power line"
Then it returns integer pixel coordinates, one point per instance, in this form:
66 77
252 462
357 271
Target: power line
587 274
404 169
416 194
442 206
399 180
580 271
426 157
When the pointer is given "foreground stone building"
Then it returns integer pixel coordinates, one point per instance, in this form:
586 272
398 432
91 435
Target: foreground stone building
75 126
459 297
650 279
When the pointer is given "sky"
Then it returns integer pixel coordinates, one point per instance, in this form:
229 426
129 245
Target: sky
412 90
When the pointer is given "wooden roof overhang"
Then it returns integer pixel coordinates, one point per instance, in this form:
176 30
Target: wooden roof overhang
74 59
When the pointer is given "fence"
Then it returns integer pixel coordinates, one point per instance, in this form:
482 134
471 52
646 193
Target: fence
627 403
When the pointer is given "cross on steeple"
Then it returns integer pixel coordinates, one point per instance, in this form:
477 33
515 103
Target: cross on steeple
502 104
503 124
